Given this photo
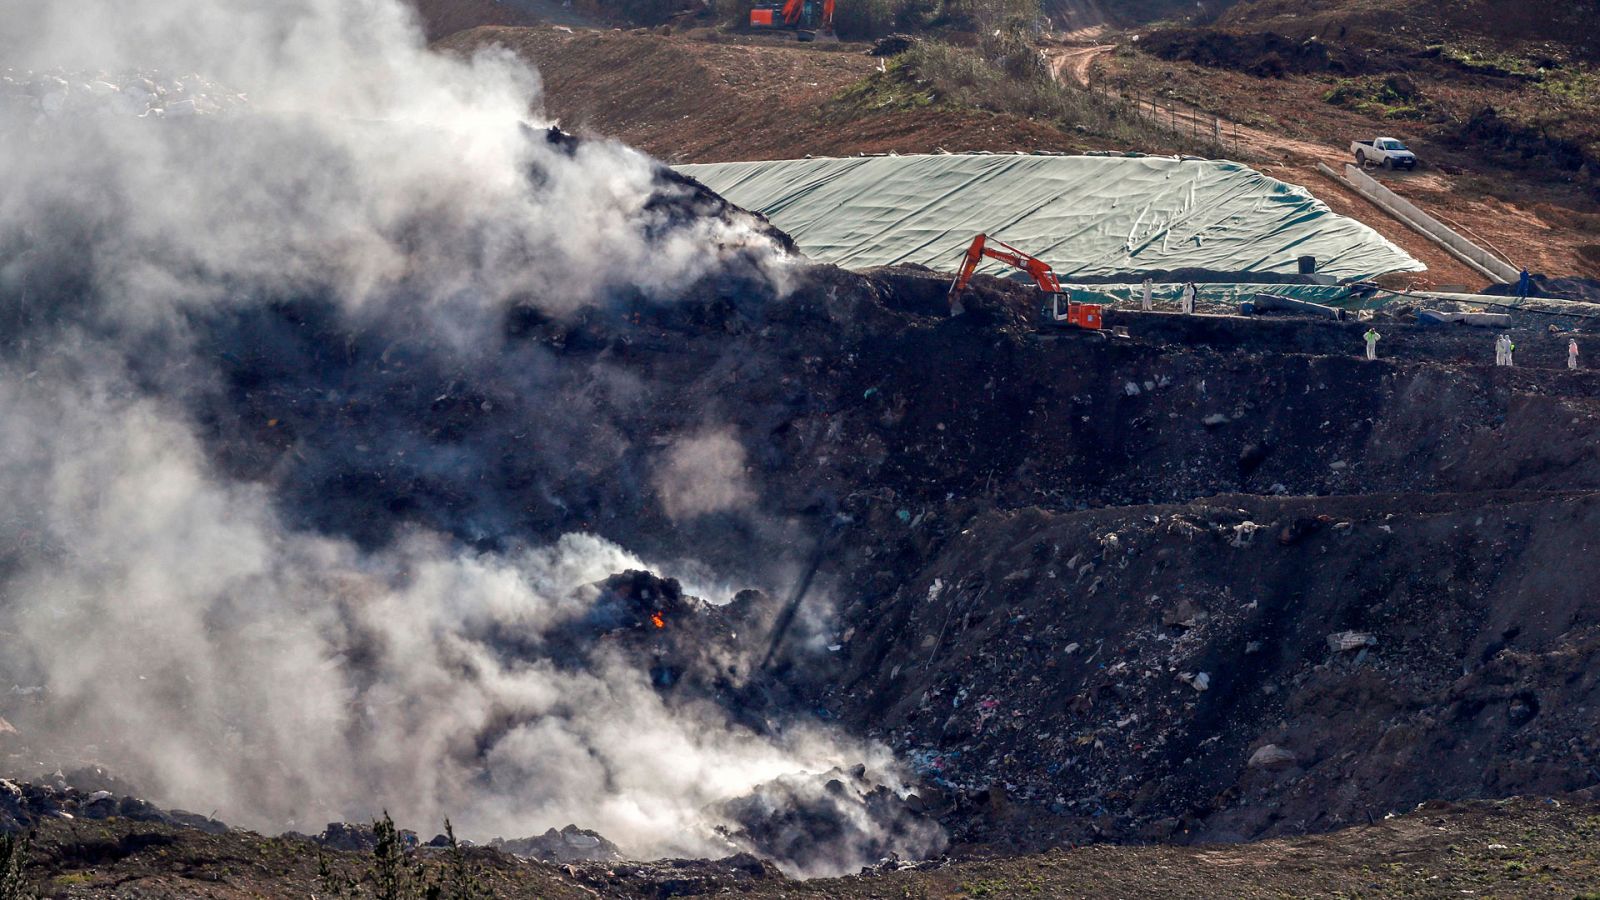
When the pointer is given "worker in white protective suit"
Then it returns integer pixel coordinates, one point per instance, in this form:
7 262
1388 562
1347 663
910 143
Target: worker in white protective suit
1572 353
1146 300
1501 353
1372 338
1188 297
1510 349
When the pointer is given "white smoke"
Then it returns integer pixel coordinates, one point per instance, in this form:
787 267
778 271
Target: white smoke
218 657
362 162
703 473
289 679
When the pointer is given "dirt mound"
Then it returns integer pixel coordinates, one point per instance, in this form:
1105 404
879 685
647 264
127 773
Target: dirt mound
1372 23
1517 145
1042 615
1263 54
795 820
441 18
690 100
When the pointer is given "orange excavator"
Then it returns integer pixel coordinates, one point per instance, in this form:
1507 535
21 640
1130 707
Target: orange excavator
1062 311
808 18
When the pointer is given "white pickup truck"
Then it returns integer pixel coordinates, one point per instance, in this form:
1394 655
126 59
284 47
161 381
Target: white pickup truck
1384 151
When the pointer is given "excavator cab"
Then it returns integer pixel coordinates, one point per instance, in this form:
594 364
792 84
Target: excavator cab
808 18
766 15
1062 311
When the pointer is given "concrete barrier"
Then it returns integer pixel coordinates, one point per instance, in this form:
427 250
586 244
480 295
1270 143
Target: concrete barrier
1449 239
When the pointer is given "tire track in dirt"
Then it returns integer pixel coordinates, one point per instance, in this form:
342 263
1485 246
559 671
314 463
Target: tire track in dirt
1073 62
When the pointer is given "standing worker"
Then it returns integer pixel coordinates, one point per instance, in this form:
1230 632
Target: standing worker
1524 284
1501 342
1510 360
1144 303
1572 353
1189 297
1372 337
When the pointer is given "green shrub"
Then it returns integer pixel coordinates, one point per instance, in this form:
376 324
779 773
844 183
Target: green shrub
1005 74
14 851
397 872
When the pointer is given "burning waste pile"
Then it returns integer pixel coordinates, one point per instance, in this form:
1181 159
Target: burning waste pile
300 512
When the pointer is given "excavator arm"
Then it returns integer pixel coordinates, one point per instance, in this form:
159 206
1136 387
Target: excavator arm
1043 275
1081 315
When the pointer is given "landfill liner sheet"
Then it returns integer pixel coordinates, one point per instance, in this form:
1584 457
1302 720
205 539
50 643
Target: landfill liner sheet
1084 215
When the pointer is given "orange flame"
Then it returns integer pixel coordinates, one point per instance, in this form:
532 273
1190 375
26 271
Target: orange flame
656 618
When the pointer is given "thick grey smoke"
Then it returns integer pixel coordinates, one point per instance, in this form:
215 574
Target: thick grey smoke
704 473
355 160
184 633
288 679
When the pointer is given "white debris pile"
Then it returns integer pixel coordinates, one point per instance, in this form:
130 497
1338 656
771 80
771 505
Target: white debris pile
144 94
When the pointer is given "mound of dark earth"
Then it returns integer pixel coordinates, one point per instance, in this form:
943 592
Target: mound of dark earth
1220 578
1082 582
1263 54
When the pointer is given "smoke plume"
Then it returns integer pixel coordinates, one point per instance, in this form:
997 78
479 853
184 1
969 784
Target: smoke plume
210 621
704 473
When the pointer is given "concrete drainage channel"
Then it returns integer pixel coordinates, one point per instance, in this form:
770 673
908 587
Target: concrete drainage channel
1448 239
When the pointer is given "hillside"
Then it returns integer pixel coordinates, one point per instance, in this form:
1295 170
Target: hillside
1533 847
381 454
1507 25
685 99
727 99
441 18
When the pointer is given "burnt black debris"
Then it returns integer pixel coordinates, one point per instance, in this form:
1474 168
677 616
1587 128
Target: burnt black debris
569 845
23 805
1076 584
809 822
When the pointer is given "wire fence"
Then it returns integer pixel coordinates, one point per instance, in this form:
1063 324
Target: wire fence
1200 128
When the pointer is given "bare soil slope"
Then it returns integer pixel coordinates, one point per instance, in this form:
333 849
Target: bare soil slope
688 100
446 17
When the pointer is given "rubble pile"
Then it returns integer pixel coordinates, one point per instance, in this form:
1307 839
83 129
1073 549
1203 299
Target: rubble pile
804 821
676 877
569 845
1220 578
23 805
1027 616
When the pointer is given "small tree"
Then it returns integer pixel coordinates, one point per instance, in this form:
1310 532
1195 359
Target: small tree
394 876
14 851
459 880
397 873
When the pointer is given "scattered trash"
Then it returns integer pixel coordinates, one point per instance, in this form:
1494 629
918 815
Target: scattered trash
1350 640
1269 756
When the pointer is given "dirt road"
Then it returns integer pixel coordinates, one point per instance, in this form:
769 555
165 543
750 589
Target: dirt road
1068 63
1286 158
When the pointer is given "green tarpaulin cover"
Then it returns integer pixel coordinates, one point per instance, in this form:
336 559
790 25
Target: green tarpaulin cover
1085 215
